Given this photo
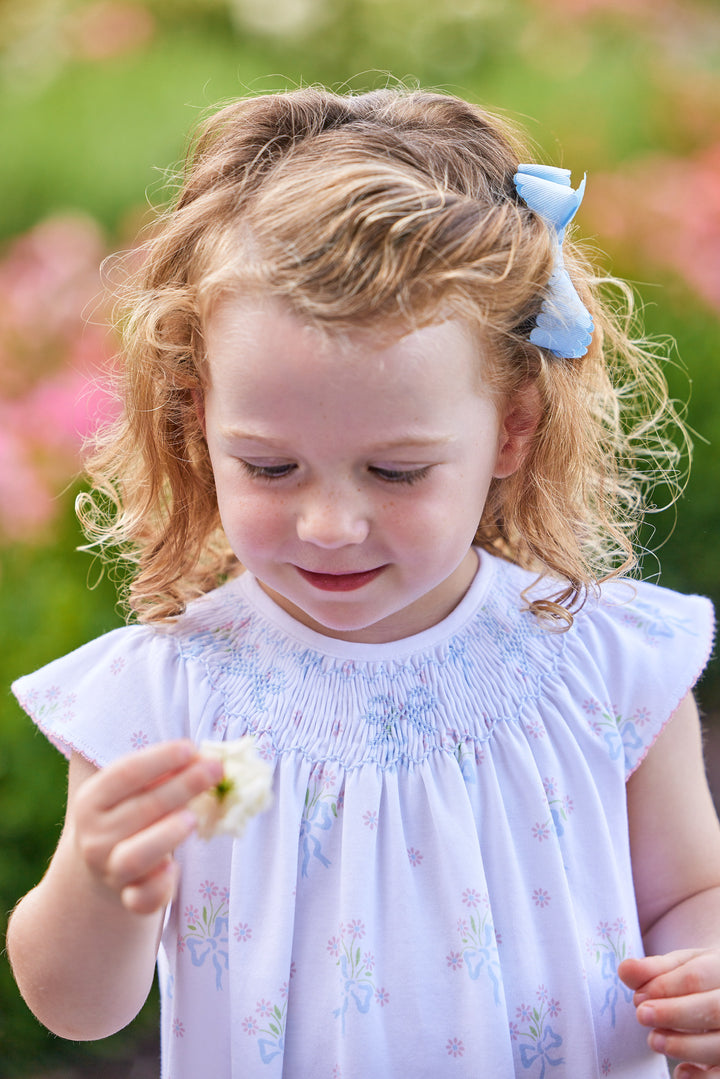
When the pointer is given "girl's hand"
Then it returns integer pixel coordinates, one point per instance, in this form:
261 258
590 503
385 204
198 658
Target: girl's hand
678 996
127 819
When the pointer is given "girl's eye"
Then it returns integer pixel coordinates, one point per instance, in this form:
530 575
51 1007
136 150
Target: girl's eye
267 472
401 475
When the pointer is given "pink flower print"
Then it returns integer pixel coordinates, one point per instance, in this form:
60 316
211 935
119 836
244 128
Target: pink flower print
333 946
541 832
117 665
178 1028
53 693
606 1066
620 925
554 1008
471 898
208 889
329 780
524 1013
542 994
284 990
382 997
370 818
455 1047
337 728
265 751
514 1032
414 856
356 929
550 787
592 707
603 929
219 724
369 961
181 944
642 716
541 898
225 894
263 1007
336 1073
536 729
293 969
463 927
454 960
568 804
138 740
249 1025
192 915
242 932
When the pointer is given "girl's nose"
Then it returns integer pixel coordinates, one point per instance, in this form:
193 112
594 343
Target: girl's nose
333 519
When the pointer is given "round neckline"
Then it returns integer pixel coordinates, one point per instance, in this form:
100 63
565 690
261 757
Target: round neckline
334 646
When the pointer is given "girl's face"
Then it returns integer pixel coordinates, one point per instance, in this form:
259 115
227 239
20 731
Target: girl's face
351 471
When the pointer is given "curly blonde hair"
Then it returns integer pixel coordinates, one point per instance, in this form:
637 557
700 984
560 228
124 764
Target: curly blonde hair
389 207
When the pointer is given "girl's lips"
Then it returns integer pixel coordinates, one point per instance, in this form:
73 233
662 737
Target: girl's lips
340 582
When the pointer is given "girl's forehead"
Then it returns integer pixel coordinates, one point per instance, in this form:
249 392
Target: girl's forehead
247 327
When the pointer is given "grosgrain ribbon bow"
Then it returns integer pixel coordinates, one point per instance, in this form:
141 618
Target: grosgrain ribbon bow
564 325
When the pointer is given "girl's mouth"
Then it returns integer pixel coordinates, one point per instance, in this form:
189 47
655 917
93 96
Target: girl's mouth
339 582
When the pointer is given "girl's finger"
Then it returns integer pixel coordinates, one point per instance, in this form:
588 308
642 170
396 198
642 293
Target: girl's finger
698 1012
135 858
175 791
134 773
153 893
698 972
695 1071
696 1048
637 973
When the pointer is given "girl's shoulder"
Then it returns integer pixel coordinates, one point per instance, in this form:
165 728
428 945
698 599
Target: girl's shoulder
133 685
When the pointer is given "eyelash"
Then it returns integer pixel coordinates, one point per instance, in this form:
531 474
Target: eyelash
267 472
407 476
387 475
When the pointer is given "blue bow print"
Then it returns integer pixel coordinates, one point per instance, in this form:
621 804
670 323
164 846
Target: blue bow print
541 1051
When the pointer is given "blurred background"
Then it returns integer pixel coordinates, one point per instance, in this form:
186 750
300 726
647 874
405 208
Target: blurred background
96 99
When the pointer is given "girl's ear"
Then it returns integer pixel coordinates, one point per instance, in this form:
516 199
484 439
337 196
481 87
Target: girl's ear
199 402
522 416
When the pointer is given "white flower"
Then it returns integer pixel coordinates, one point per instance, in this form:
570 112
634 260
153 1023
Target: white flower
244 790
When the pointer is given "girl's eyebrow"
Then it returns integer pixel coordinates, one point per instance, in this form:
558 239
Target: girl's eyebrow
410 442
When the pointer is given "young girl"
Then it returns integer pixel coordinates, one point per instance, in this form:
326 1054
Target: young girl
378 448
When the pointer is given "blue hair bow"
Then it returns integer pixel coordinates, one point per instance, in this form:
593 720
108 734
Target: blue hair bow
564 325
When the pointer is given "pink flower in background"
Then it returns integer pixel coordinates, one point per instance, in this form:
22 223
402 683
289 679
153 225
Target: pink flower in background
54 344
667 211
110 28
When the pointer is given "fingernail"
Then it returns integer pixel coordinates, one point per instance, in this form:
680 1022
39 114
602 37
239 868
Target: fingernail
214 769
657 1041
646 1015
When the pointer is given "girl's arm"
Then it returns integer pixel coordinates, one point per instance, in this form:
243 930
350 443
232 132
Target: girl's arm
675 844
83 943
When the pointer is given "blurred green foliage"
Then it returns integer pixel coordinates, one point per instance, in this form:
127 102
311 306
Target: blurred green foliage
598 88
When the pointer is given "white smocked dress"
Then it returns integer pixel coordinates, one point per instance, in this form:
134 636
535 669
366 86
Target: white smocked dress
443 885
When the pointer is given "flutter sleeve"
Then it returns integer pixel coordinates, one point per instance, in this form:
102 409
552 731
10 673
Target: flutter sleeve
122 691
645 648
